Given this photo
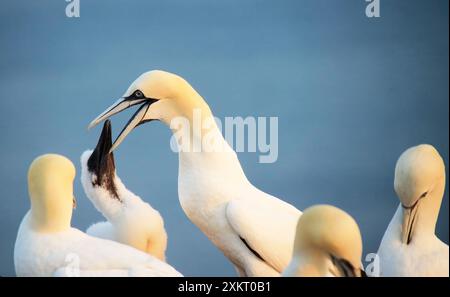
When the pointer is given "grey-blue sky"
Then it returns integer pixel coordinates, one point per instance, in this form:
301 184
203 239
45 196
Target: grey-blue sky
351 94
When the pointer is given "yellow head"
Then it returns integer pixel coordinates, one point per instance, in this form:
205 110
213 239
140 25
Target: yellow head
416 173
419 184
331 234
163 96
50 187
158 84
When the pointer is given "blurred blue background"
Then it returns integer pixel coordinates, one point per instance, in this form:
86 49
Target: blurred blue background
351 94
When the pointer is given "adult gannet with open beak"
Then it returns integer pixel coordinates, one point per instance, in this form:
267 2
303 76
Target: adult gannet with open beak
410 247
253 229
328 243
46 245
131 221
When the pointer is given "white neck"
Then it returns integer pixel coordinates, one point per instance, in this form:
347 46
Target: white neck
208 179
220 162
307 263
102 199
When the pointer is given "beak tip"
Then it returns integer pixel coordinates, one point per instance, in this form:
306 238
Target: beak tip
108 124
91 125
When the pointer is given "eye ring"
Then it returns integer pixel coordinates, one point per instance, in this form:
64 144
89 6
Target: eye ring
138 94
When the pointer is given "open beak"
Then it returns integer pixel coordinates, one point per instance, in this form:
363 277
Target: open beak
136 119
118 106
101 162
409 219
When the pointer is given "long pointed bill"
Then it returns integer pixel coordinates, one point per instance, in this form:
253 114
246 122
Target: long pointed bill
118 106
409 218
135 121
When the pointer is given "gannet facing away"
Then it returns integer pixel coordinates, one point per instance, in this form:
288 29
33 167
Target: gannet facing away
46 245
410 247
253 229
328 243
131 221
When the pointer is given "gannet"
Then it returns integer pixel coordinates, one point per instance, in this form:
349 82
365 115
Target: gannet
328 243
253 229
130 220
47 245
409 246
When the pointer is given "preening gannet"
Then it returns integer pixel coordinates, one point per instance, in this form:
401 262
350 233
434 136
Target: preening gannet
253 229
328 243
410 247
131 221
46 245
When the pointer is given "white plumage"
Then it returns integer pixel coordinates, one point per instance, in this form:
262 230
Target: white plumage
427 255
130 220
237 217
57 254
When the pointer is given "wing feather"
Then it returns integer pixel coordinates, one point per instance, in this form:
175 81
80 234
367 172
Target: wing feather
267 225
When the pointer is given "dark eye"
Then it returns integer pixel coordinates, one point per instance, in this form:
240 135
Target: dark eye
138 94
424 195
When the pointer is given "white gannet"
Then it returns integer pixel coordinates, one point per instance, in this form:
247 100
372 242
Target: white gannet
328 243
253 229
131 221
410 247
46 245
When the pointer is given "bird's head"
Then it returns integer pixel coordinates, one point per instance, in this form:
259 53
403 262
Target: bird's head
161 96
332 235
50 187
417 174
